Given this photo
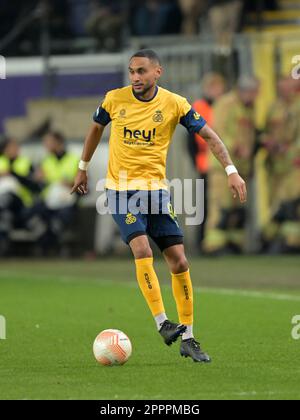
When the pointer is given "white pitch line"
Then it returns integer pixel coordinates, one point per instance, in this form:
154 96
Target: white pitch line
224 292
251 294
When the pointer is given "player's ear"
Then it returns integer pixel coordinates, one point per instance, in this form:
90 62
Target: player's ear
159 72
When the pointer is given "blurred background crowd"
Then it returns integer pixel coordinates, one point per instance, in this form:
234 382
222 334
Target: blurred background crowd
233 59
107 24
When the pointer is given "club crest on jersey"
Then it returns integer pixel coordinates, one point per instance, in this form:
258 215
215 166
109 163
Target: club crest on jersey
130 219
197 116
158 116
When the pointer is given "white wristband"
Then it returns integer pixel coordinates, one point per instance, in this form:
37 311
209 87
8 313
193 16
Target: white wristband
231 169
83 166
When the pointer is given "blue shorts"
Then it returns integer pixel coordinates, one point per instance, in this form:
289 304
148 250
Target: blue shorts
149 213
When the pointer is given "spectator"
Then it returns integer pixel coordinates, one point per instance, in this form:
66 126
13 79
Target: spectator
10 12
78 9
59 11
16 190
282 142
235 122
191 11
34 16
106 22
155 17
257 5
278 136
224 16
213 87
57 208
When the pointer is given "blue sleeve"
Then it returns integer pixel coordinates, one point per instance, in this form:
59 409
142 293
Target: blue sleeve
193 121
101 116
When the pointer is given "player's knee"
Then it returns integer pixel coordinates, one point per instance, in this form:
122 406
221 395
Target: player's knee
142 250
180 265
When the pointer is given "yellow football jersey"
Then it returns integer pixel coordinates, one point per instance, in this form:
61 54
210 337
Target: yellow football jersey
141 133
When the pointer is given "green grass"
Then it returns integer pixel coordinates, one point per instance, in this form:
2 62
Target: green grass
55 309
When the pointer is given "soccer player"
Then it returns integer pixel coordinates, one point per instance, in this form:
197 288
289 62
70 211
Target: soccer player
144 117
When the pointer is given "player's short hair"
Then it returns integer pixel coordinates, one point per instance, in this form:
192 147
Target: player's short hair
147 53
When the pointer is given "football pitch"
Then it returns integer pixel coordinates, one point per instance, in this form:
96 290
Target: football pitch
243 317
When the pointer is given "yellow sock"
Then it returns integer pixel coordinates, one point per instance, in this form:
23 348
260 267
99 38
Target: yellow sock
183 294
149 285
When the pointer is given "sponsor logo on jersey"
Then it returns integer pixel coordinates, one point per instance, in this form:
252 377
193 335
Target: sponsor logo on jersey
140 134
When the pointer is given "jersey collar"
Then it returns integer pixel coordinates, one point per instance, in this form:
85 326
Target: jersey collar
145 100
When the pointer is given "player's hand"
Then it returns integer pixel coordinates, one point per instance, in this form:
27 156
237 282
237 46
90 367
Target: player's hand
238 187
80 183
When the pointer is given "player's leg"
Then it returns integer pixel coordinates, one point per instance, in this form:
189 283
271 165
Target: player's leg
150 288
183 295
165 231
147 277
133 229
181 285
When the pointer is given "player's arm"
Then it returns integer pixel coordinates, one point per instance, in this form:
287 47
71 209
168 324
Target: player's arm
197 124
218 148
90 145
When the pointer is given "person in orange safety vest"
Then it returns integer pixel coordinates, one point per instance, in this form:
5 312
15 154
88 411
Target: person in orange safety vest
213 87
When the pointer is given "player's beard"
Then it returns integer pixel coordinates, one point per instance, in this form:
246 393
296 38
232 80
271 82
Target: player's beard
144 91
